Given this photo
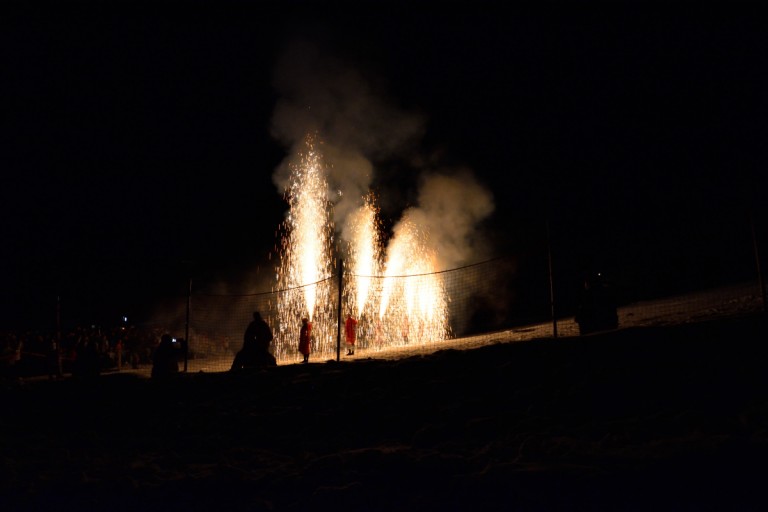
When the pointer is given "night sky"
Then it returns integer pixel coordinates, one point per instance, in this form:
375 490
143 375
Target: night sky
141 141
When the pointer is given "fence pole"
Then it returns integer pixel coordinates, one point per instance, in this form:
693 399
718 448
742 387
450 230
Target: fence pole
756 249
338 314
58 337
186 326
551 285
58 318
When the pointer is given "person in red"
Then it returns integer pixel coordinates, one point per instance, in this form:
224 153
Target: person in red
305 339
350 329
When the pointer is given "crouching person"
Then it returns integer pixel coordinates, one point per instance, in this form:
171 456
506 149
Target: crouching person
165 360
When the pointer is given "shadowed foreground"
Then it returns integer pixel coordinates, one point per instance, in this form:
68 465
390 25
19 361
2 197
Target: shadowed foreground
665 418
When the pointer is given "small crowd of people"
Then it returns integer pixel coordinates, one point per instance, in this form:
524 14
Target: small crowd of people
82 351
88 351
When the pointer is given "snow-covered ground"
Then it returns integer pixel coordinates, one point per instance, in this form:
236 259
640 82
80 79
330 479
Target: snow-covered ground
680 309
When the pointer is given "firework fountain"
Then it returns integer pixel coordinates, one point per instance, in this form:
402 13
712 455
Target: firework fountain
396 295
363 255
413 302
304 277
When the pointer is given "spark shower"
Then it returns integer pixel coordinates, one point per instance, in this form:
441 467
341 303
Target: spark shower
395 293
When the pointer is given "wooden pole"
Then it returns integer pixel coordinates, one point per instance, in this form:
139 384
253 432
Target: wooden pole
756 249
186 327
551 285
338 313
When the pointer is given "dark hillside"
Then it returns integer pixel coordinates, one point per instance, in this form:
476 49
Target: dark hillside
666 418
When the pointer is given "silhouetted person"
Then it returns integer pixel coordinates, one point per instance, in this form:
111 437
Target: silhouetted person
305 339
165 360
87 362
53 359
255 351
131 345
597 309
350 332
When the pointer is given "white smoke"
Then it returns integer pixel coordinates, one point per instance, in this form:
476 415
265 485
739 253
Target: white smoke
351 117
357 125
451 206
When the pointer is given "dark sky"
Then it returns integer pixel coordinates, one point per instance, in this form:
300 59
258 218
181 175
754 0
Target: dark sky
139 137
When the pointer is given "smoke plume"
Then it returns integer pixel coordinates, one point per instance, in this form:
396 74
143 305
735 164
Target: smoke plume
353 120
451 206
357 126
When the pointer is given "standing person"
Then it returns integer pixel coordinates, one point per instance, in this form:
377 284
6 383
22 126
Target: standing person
87 357
305 339
255 350
350 329
53 359
132 346
597 308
